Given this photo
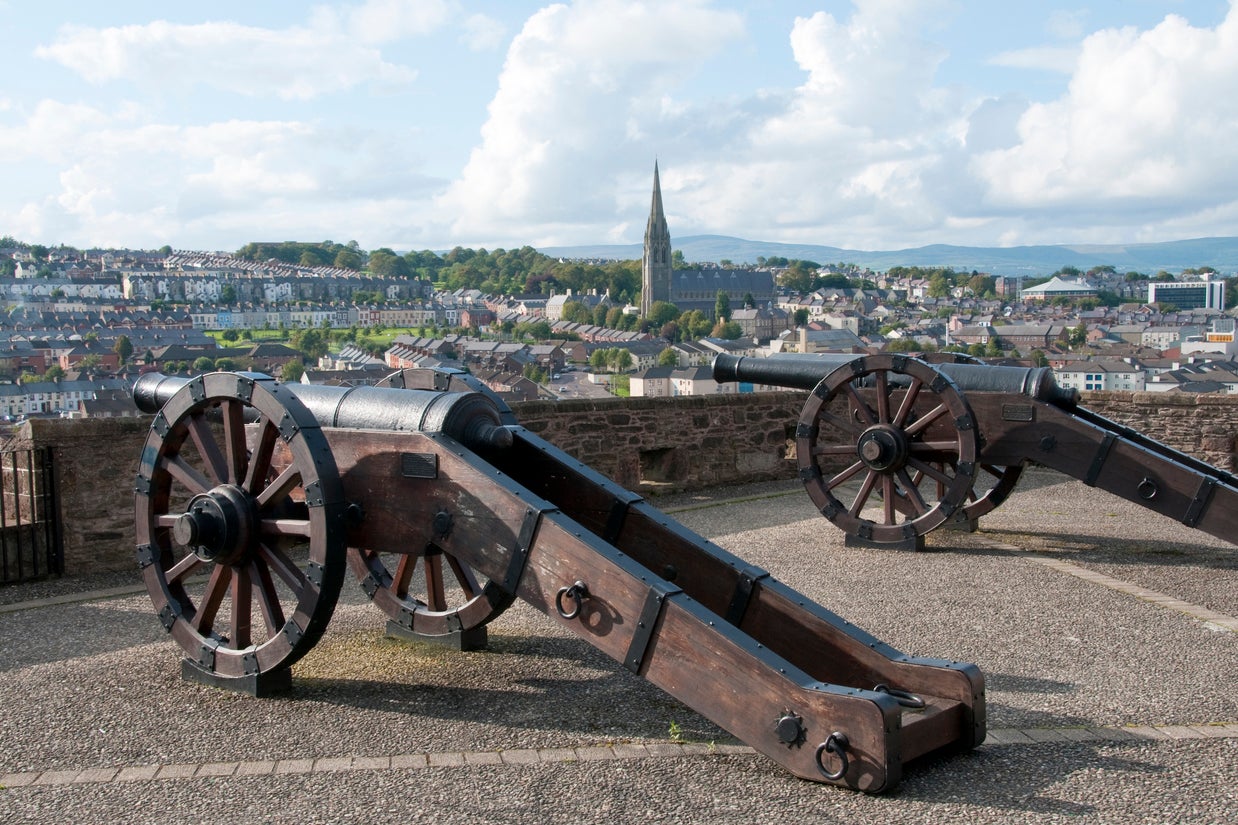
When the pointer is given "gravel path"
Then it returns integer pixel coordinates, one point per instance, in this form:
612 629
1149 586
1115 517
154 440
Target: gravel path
1103 705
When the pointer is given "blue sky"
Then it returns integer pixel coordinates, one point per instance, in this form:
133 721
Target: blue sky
873 124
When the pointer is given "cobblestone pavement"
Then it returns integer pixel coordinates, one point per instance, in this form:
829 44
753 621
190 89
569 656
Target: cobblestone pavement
1108 638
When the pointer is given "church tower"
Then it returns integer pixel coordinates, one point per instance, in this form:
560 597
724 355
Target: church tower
656 264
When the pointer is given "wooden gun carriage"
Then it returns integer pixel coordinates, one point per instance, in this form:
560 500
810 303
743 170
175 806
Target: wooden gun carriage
254 498
892 447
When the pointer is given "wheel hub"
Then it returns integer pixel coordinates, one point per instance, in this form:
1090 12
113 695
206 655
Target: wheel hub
218 525
882 448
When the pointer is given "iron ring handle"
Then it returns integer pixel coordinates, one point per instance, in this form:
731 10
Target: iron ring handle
905 698
837 744
578 592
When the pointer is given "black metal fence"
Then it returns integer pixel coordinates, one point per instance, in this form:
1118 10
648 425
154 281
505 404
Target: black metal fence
31 544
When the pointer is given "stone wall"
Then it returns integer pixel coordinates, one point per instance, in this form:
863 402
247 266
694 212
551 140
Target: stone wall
652 446
1204 426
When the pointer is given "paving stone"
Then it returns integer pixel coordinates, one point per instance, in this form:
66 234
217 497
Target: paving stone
18 780
177 771
630 751
255 768
556 755
595 753
409 760
56 777
218 769
97 775
524 756
137 773
483 758
294 766
449 759
333 763
371 763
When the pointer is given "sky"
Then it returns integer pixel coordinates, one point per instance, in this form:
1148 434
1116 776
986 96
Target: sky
429 124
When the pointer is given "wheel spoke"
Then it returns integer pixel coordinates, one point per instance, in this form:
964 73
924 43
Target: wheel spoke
464 578
242 607
835 449
866 490
932 472
403 576
212 598
913 494
848 429
208 447
883 397
845 476
436 598
286 527
268 598
188 476
283 567
280 488
237 451
934 447
909 400
182 568
924 422
888 496
859 404
260 459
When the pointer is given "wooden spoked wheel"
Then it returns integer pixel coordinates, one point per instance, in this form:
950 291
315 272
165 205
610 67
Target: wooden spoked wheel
901 431
431 592
994 482
239 531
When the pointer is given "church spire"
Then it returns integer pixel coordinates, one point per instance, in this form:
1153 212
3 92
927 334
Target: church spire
656 264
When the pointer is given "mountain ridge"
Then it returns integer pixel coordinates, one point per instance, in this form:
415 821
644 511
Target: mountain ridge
1220 253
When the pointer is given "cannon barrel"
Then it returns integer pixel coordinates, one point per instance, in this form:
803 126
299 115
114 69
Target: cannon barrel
805 371
469 417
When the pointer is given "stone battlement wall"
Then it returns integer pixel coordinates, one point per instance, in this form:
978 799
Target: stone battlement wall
650 445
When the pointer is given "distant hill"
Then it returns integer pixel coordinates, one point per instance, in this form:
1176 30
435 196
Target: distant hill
1219 253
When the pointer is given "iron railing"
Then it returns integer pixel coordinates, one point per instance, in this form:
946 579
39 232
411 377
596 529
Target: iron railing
31 544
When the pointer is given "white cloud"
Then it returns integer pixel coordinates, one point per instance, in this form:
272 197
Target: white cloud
294 63
132 183
483 33
576 80
1146 127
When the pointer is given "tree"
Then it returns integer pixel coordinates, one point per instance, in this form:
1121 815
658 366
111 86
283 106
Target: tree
728 331
227 294
1037 357
801 317
621 360
661 312
312 342
597 359
230 334
54 373
225 364
123 347
1078 335
994 349
203 364
668 358
292 371
722 306
576 312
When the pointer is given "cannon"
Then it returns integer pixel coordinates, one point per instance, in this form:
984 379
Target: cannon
891 447
254 498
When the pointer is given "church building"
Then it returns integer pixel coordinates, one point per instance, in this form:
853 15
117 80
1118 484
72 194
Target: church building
690 289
